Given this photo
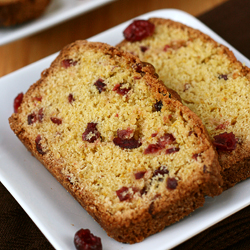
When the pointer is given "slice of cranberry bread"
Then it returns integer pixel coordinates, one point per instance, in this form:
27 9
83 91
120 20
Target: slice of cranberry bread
210 81
118 140
13 12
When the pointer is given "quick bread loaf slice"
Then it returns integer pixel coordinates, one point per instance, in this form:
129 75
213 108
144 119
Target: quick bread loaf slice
13 12
210 81
118 140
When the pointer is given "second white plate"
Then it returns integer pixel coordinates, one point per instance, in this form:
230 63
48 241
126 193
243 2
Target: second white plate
57 12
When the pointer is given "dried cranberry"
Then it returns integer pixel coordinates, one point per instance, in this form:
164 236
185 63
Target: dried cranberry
158 105
39 146
162 170
225 141
121 91
32 118
123 194
172 183
125 133
138 30
91 133
139 175
100 85
166 47
68 62
166 139
172 150
40 115
39 99
84 240
71 98
127 143
55 120
143 48
223 76
222 126
17 101
154 135
152 148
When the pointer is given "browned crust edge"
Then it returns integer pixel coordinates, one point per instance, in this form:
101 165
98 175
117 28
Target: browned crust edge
163 211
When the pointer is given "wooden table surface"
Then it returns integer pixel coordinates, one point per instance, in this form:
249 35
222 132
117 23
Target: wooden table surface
20 53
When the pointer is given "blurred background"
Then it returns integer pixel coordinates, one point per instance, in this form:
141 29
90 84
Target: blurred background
20 53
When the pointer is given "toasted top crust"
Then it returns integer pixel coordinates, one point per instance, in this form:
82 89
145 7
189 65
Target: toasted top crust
115 183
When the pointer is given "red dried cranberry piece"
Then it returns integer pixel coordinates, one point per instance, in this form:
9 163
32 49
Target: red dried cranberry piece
127 143
56 120
68 62
138 30
143 48
125 133
100 85
40 115
71 98
166 139
222 126
84 240
39 99
223 76
91 133
166 47
154 135
162 170
139 175
162 142
172 183
32 118
158 105
152 148
17 102
39 146
225 141
172 150
118 90
123 194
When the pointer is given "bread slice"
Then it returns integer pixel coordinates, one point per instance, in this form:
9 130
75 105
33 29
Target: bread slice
13 12
118 140
210 81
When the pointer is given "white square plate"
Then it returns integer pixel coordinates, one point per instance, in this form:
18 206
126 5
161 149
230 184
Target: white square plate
57 12
54 210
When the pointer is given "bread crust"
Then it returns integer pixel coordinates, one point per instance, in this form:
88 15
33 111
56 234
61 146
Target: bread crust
15 12
234 165
132 225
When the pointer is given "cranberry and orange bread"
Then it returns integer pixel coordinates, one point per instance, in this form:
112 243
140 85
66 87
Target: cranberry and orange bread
13 12
118 140
210 81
